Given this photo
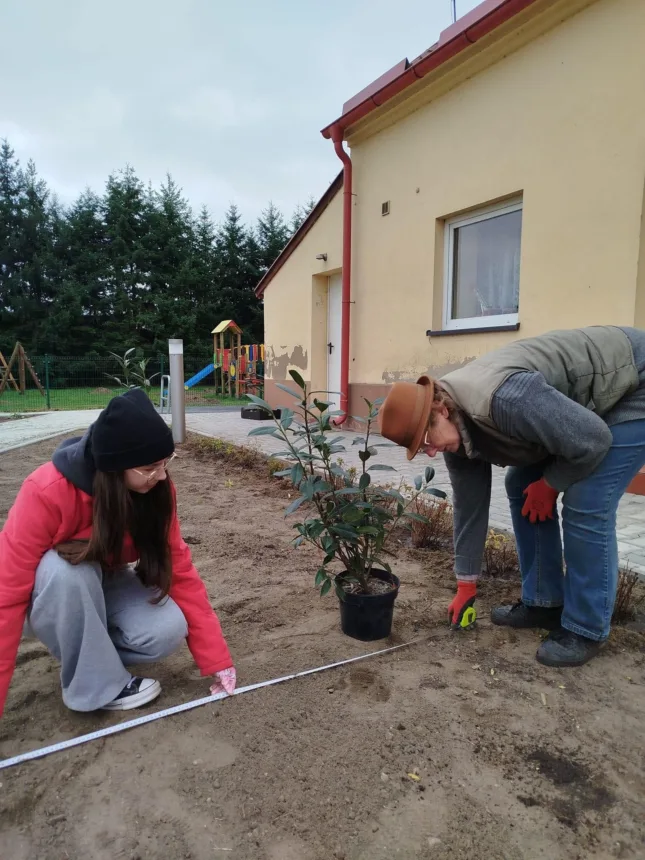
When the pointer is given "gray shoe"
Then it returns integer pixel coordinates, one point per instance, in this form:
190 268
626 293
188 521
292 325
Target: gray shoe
562 648
522 616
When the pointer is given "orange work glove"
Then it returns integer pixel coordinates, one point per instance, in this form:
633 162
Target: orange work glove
463 600
540 501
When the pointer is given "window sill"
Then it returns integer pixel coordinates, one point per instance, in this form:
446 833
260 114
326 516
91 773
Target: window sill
445 332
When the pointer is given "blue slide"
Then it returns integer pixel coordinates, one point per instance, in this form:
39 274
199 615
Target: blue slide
199 376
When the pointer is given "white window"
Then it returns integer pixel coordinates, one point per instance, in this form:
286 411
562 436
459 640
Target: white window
482 268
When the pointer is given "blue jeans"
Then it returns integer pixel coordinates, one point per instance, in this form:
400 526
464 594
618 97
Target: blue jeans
588 591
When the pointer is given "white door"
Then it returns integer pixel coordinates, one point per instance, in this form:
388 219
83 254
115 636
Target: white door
334 311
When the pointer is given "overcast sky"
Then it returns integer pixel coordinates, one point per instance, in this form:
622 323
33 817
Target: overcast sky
227 97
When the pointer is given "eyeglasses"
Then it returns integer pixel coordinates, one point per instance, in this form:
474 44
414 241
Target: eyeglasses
150 476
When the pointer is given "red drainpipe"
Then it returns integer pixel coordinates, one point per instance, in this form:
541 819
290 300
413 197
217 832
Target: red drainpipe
346 298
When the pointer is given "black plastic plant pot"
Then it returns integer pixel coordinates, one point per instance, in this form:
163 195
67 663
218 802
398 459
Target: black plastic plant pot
254 413
369 616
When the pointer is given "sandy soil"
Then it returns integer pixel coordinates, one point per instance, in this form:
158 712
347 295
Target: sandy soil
515 760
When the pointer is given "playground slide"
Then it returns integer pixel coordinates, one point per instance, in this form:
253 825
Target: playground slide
199 376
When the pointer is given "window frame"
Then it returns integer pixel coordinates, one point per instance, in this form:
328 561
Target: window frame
483 213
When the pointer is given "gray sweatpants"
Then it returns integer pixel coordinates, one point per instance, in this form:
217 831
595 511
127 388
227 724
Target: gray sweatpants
96 624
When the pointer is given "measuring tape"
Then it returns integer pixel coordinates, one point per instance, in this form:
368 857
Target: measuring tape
178 709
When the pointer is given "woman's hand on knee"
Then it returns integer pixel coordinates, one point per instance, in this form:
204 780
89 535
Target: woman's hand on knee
224 682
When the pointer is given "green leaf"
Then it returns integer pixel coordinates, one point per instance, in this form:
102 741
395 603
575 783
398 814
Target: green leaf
348 491
321 576
328 544
298 541
297 379
329 557
295 505
369 530
297 474
381 467
431 491
323 487
418 482
307 488
379 401
364 456
364 481
345 533
321 405
352 515
429 474
325 587
316 528
259 402
282 474
286 419
288 390
359 440
264 431
340 591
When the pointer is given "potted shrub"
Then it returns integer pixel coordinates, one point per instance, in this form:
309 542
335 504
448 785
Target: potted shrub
349 519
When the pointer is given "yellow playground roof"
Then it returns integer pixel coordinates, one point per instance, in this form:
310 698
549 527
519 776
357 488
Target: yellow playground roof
225 325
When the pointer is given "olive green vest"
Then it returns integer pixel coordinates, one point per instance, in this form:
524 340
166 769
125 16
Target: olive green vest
593 366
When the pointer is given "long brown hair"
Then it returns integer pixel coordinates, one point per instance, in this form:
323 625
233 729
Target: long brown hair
146 516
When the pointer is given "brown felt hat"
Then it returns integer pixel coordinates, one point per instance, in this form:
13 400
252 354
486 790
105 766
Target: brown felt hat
405 414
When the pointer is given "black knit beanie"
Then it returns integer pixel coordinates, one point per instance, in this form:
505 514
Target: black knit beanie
130 433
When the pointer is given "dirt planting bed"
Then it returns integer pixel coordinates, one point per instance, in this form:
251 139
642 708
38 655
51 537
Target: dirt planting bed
508 760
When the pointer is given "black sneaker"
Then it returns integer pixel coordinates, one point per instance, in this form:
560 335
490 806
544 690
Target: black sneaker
522 616
563 648
138 692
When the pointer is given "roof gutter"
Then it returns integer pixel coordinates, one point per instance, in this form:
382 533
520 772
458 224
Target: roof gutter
346 290
457 38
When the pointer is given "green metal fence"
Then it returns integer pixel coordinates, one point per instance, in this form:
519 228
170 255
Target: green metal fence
88 382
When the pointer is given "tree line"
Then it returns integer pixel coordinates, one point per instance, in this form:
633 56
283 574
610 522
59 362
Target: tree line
130 267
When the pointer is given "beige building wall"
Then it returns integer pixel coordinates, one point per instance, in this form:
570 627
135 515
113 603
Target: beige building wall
561 122
295 306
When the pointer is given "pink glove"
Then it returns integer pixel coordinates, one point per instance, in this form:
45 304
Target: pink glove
224 682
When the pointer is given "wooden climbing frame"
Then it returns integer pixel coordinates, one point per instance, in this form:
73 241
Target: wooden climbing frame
24 364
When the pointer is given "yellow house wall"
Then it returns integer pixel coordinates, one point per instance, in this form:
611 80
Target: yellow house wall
295 304
562 122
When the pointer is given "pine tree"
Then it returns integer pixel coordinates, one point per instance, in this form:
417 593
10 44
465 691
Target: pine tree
237 273
11 191
203 283
132 267
127 213
74 324
272 235
300 214
168 309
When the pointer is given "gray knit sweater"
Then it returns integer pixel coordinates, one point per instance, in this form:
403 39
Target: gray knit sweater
526 407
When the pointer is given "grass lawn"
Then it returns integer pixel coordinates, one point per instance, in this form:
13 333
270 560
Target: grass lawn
96 398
